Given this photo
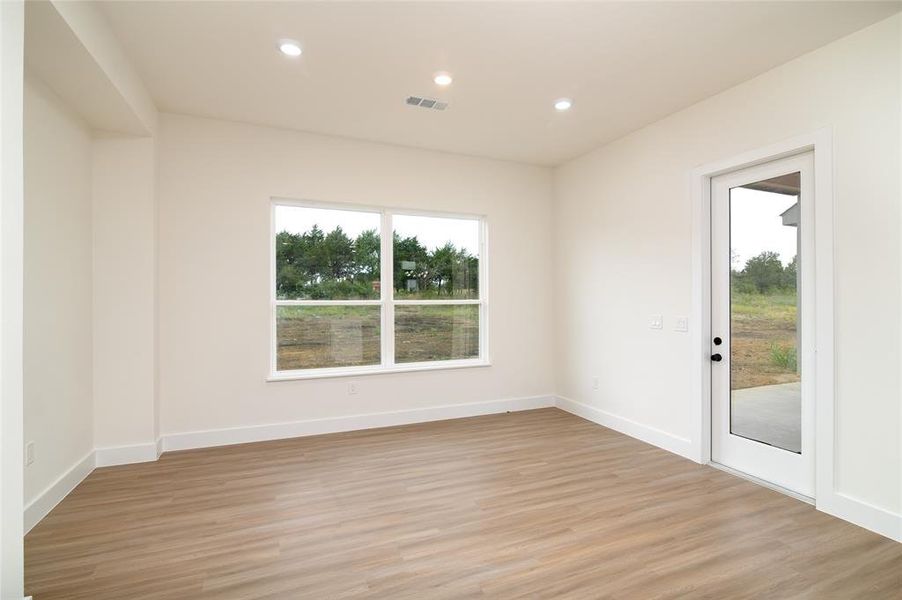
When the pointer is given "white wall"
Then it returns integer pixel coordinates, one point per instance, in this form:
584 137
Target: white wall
12 30
215 180
57 350
88 23
622 250
71 47
124 292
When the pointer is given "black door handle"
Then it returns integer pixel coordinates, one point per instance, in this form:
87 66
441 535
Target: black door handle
716 357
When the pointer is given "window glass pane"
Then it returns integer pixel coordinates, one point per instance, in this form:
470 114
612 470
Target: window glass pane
765 374
435 257
312 337
324 254
438 332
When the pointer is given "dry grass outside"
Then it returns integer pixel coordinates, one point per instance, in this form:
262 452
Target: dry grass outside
327 336
427 333
763 339
343 336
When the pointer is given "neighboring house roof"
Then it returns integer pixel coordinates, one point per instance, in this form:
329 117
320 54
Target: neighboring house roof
791 215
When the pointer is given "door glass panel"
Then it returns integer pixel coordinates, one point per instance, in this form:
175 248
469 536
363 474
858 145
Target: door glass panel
765 379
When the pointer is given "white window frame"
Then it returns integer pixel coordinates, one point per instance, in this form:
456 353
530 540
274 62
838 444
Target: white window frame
386 301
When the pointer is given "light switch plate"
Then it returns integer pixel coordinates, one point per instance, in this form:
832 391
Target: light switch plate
681 324
656 322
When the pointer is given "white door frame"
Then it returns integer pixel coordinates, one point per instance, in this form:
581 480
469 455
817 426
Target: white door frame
821 143
12 35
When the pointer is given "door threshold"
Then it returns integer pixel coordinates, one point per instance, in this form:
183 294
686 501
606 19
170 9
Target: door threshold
763 483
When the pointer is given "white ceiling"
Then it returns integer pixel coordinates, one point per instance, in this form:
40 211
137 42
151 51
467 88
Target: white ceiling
625 64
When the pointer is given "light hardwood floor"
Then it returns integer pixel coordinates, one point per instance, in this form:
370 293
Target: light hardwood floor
537 504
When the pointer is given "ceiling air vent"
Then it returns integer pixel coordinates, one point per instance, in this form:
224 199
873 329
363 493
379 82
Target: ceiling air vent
426 103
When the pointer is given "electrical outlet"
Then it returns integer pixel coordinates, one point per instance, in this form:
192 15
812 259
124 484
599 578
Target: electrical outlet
681 324
352 389
595 383
29 453
656 322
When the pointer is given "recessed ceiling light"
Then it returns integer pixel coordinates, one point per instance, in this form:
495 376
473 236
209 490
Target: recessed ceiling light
442 78
289 48
563 104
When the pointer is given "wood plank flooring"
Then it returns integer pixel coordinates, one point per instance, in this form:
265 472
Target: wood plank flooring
537 504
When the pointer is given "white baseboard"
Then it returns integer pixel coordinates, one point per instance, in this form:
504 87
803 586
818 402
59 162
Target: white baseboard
38 508
650 435
125 455
863 514
41 505
842 506
839 505
277 431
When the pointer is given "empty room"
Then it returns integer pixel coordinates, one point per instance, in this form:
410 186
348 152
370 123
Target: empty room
454 299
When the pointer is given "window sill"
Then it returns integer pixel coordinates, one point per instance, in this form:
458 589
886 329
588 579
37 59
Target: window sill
376 370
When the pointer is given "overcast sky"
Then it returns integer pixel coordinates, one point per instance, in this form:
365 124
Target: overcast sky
756 225
432 232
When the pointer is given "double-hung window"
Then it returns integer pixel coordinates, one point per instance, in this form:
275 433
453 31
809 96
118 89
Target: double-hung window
366 289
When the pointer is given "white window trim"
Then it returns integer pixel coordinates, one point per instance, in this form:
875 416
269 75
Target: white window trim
386 301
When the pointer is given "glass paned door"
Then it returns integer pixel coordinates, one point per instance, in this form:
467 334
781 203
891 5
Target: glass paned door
765 375
761 393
